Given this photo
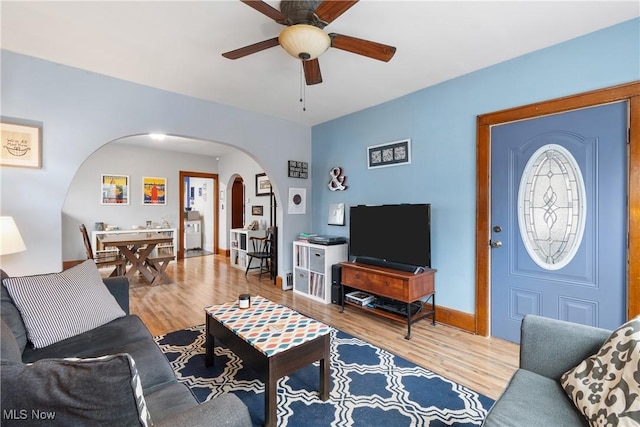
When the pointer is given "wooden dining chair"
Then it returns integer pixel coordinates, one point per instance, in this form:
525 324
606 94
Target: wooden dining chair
261 249
104 260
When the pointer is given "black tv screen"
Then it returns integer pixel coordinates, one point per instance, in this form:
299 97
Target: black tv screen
393 233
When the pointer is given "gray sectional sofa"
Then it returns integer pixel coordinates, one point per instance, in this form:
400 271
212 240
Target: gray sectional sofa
534 396
41 385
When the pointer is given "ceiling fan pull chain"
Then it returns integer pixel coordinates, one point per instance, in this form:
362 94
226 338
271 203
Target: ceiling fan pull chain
302 89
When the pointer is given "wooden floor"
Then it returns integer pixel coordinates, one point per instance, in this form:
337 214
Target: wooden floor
482 364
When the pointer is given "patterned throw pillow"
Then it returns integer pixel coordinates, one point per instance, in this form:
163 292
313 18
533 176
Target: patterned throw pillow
61 305
606 386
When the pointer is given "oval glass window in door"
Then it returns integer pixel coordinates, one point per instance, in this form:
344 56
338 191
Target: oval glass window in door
552 207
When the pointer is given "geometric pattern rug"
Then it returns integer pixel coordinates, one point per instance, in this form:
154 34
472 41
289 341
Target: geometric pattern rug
369 386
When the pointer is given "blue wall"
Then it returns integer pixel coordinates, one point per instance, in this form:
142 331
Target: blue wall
441 122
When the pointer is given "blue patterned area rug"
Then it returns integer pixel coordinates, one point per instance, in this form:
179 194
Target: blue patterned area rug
369 386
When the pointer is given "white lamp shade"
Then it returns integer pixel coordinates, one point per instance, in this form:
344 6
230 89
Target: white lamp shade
10 239
304 41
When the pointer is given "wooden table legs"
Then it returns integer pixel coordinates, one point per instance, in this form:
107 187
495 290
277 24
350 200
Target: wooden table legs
275 367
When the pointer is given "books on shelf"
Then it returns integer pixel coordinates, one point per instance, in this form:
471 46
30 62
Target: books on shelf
317 285
305 236
302 256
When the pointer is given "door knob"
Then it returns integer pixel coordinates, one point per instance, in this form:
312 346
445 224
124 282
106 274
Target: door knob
495 243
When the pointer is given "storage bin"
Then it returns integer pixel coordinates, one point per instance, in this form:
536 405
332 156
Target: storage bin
316 260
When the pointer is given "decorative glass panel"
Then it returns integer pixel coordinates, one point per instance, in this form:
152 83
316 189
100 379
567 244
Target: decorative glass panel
552 207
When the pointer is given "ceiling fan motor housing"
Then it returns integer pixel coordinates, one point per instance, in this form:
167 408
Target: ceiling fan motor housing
301 12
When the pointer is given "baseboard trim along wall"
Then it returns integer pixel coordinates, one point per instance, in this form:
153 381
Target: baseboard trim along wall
455 318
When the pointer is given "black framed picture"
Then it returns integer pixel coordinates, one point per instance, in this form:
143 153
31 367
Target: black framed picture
256 210
298 169
263 185
389 154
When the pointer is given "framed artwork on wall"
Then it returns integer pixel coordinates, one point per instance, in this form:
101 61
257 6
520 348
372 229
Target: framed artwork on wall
336 214
389 154
154 191
297 201
21 145
114 189
263 185
297 169
257 210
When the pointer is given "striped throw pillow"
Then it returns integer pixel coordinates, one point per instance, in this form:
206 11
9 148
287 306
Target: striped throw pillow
61 305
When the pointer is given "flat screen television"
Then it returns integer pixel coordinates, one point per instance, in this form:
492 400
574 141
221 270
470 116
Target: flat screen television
391 234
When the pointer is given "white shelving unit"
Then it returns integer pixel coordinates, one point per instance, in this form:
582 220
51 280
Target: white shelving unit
164 248
312 268
240 245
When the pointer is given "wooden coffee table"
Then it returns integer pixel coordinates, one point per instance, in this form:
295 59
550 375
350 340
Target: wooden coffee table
271 339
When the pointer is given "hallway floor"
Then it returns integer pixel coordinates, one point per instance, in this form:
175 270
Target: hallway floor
191 253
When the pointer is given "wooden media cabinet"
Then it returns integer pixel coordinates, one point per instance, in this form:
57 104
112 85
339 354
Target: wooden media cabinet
402 286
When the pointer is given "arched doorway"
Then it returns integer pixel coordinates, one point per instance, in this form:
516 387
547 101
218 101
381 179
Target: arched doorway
237 203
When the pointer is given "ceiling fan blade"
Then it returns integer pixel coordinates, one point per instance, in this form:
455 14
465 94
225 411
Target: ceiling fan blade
312 71
329 10
252 48
266 9
379 51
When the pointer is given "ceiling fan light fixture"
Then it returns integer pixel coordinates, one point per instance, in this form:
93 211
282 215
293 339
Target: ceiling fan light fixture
303 41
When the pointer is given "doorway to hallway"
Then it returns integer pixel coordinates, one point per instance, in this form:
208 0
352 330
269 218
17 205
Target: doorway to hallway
198 214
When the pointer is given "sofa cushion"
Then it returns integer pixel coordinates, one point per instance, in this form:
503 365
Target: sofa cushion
11 315
124 335
96 342
224 410
60 305
169 400
102 391
606 386
9 348
533 400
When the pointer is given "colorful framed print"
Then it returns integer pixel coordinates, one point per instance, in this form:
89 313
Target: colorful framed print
390 154
21 145
154 191
114 189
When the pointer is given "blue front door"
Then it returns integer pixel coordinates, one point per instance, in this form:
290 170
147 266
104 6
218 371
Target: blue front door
558 219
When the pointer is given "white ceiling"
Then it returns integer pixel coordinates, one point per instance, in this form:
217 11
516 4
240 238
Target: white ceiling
177 46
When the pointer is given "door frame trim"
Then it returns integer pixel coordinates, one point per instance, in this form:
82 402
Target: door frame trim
216 221
626 92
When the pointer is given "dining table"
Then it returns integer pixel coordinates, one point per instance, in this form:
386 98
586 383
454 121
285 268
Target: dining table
138 248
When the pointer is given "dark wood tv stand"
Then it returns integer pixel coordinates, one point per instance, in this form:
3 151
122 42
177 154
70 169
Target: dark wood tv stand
395 284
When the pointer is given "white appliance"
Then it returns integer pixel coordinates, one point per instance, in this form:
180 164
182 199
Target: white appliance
193 234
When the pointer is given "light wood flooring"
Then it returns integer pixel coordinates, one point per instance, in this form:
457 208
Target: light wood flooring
482 364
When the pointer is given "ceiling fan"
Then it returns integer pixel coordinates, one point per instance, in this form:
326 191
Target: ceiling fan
304 37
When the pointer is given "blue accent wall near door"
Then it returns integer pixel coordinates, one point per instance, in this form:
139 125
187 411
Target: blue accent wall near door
441 122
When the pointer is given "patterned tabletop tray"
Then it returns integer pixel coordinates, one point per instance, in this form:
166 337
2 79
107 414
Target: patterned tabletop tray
269 327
